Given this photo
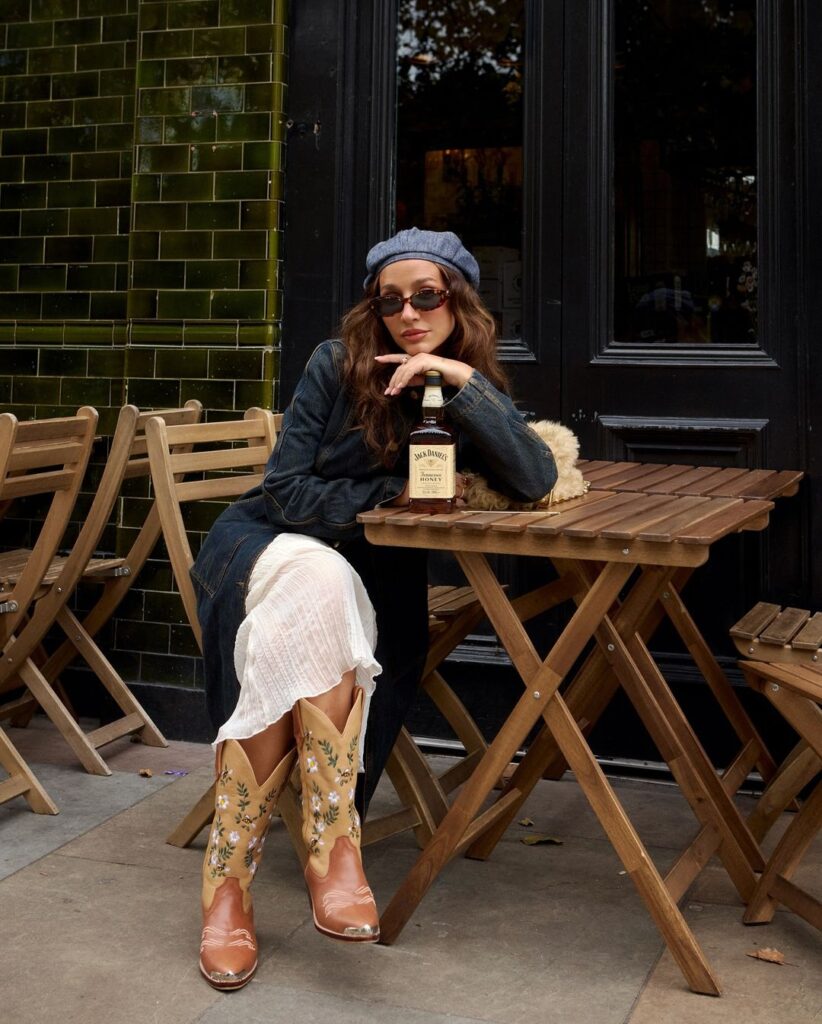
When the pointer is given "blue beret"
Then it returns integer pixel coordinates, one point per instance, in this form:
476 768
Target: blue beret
413 244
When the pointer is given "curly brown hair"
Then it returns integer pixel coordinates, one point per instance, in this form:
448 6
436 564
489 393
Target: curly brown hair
473 341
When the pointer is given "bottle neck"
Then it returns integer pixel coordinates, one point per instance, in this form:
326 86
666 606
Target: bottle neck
432 402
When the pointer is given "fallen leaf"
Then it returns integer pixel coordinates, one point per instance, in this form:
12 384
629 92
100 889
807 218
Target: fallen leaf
772 956
526 821
537 840
146 773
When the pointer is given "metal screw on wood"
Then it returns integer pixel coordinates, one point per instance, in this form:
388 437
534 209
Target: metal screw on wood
750 650
625 551
611 647
775 687
537 695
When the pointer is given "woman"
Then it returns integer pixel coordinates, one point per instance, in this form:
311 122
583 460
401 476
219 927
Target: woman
300 614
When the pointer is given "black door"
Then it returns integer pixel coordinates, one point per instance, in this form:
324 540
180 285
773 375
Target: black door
634 177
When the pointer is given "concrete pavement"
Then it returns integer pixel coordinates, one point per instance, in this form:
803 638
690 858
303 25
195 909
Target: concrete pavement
101 919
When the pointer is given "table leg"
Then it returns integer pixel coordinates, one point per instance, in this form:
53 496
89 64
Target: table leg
545 746
543 680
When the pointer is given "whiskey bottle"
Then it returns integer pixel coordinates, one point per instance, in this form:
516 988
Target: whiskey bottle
432 455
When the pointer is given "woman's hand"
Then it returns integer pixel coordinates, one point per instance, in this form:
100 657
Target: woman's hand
410 370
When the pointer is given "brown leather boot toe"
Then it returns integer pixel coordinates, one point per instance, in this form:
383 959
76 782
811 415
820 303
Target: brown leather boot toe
228 950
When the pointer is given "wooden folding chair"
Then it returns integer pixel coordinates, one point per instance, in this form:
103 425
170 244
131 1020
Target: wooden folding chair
454 611
45 459
115 575
127 460
21 780
783 651
797 694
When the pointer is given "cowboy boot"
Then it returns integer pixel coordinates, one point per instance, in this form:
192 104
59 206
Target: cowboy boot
341 900
243 812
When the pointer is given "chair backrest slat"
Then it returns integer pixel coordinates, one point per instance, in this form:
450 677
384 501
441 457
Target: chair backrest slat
219 459
218 487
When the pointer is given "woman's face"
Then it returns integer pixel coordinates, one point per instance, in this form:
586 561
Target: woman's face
415 330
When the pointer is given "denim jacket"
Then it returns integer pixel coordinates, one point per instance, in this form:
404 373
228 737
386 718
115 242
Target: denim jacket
319 476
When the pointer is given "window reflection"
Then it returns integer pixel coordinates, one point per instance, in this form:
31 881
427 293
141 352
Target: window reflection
459 136
685 196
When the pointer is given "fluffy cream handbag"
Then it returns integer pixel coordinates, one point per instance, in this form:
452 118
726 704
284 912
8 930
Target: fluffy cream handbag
570 484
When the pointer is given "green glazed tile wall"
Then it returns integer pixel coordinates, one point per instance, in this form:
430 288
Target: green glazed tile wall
141 177
208 174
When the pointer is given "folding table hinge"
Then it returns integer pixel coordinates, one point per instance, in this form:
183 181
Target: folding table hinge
8 606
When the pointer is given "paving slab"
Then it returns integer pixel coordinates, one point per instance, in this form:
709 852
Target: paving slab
753 991
84 802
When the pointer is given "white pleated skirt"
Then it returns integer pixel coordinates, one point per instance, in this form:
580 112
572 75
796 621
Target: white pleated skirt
308 621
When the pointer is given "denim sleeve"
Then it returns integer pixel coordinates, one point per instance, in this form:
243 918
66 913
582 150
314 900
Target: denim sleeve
298 498
497 442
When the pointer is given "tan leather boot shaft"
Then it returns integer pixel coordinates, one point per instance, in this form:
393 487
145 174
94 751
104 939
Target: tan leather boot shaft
341 900
243 813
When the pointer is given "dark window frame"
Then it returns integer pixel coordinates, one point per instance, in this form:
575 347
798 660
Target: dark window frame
591 51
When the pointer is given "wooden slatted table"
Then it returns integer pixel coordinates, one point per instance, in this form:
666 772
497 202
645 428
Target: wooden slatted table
617 553
684 490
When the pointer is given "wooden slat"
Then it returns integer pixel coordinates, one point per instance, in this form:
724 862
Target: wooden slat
452 604
809 638
594 501
36 483
48 429
64 453
593 526
665 530
658 476
664 508
517 524
114 730
806 682
480 520
687 482
727 521
218 459
754 621
788 622
725 483
408 518
705 483
208 433
630 478
599 475
225 487
589 466
105 567
782 483
747 479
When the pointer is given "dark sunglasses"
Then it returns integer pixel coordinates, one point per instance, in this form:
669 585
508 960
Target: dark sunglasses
425 300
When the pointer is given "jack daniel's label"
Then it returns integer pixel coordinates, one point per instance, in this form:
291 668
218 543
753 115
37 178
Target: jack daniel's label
433 471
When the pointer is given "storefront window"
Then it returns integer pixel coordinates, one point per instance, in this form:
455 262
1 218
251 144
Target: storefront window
685 182
459 136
